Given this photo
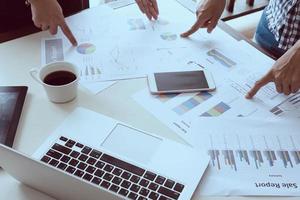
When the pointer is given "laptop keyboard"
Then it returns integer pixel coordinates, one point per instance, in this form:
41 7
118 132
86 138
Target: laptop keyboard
110 173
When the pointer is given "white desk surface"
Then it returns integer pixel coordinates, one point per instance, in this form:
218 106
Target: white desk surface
40 117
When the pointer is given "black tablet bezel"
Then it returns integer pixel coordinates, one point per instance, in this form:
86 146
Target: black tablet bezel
21 91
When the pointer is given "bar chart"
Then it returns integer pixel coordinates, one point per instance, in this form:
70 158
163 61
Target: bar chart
136 24
165 97
255 152
192 103
289 105
220 58
90 73
250 155
217 110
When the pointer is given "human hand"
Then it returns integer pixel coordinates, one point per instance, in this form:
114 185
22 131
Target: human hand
208 15
47 14
285 73
149 8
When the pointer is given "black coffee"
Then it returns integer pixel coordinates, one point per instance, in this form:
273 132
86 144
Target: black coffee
59 78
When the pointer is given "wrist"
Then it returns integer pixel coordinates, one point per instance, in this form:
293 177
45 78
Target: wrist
297 45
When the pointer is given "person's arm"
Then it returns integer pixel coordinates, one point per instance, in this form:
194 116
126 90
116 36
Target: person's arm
208 15
149 8
47 14
285 73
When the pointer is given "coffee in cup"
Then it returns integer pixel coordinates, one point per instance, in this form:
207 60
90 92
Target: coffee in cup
60 80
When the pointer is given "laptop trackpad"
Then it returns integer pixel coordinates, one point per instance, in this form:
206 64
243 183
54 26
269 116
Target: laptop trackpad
134 144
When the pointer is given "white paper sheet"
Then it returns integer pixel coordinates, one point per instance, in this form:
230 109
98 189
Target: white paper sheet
177 111
115 4
96 87
235 68
191 5
115 45
250 156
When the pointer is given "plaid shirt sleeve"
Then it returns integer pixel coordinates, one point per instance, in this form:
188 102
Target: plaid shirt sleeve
284 21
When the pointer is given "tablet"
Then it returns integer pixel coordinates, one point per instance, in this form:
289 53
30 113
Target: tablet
11 104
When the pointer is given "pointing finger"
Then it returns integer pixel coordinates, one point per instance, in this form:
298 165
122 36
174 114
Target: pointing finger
198 24
155 6
146 9
259 84
53 29
68 33
139 3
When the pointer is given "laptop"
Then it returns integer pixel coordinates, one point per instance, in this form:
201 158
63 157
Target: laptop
91 156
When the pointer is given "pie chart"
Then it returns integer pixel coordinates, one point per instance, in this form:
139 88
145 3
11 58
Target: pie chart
86 48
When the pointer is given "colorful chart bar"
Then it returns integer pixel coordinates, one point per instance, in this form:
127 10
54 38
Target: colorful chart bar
86 48
222 59
271 157
229 159
296 155
258 159
214 157
192 103
217 110
165 97
285 157
276 110
243 155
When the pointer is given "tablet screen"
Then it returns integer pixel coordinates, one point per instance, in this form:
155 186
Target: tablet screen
11 103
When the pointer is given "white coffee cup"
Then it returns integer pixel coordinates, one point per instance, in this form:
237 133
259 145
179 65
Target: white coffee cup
57 93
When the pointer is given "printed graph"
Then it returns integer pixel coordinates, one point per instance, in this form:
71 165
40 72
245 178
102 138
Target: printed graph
255 156
220 58
162 22
165 97
90 73
217 110
136 24
192 103
86 48
290 104
168 36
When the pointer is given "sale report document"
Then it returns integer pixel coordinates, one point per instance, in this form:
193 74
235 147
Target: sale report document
249 156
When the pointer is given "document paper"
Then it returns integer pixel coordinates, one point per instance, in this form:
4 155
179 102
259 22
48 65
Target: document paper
249 156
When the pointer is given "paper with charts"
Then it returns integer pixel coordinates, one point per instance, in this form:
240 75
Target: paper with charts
250 156
235 72
113 45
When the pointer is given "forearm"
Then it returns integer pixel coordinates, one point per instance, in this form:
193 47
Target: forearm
297 46
296 51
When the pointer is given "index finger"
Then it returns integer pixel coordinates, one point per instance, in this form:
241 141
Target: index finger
154 3
259 84
68 33
200 21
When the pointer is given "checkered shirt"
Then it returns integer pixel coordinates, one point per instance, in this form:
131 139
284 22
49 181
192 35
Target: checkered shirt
283 18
